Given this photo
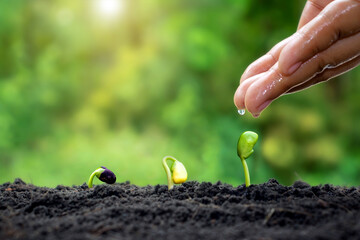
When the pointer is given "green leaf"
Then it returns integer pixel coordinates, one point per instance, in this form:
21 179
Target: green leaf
246 143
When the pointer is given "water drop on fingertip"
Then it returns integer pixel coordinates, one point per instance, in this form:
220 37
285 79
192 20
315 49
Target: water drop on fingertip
241 111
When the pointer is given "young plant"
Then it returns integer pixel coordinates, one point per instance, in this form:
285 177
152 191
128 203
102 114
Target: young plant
177 174
245 146
104 174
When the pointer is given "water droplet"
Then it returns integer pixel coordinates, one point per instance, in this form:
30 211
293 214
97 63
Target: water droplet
241 111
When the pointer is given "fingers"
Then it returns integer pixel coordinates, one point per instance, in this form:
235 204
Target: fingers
254 71
265 62
327 74
239 96
339 19
263 89
311 10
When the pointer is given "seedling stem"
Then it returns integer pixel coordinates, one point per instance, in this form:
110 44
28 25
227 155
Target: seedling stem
246 172
245 146
98 171
177 174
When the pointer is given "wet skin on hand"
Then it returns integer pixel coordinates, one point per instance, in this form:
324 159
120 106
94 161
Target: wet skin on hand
326 44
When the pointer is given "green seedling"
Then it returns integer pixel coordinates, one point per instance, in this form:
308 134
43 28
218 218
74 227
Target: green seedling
177 174
103 174
245 146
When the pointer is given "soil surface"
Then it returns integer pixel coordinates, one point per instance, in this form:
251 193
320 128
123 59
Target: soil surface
190 211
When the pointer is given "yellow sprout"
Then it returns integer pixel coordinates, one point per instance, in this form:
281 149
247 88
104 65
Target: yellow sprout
177 174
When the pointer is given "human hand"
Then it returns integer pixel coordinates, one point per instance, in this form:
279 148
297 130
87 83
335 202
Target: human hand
326 44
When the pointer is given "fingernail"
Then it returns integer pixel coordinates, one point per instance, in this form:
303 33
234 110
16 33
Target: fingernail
293 68
263 106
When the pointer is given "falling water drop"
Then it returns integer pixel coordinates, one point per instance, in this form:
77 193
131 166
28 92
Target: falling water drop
241 111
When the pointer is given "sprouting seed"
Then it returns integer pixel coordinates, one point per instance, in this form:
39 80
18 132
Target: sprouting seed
177 174
245 145
104 175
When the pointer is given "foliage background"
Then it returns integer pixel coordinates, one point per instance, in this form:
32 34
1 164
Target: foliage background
81 88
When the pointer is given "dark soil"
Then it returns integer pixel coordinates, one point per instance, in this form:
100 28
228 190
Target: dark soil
189 211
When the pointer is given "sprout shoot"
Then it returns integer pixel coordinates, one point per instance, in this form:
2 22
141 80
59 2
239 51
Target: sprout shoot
245 146
177 174
104 174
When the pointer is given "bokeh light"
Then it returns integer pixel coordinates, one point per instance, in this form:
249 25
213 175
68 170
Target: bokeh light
109 9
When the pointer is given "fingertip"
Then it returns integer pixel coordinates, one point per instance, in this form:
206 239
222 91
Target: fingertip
238 99
263 105
283 64
289 60
259 95
288 66
252 100
241 91
257 110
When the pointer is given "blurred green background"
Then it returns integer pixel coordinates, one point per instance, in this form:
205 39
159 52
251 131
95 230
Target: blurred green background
123 83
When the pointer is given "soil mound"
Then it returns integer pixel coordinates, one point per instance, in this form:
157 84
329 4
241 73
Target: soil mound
192 210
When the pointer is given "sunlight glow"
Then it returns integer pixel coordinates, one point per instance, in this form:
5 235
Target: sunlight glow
109 8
